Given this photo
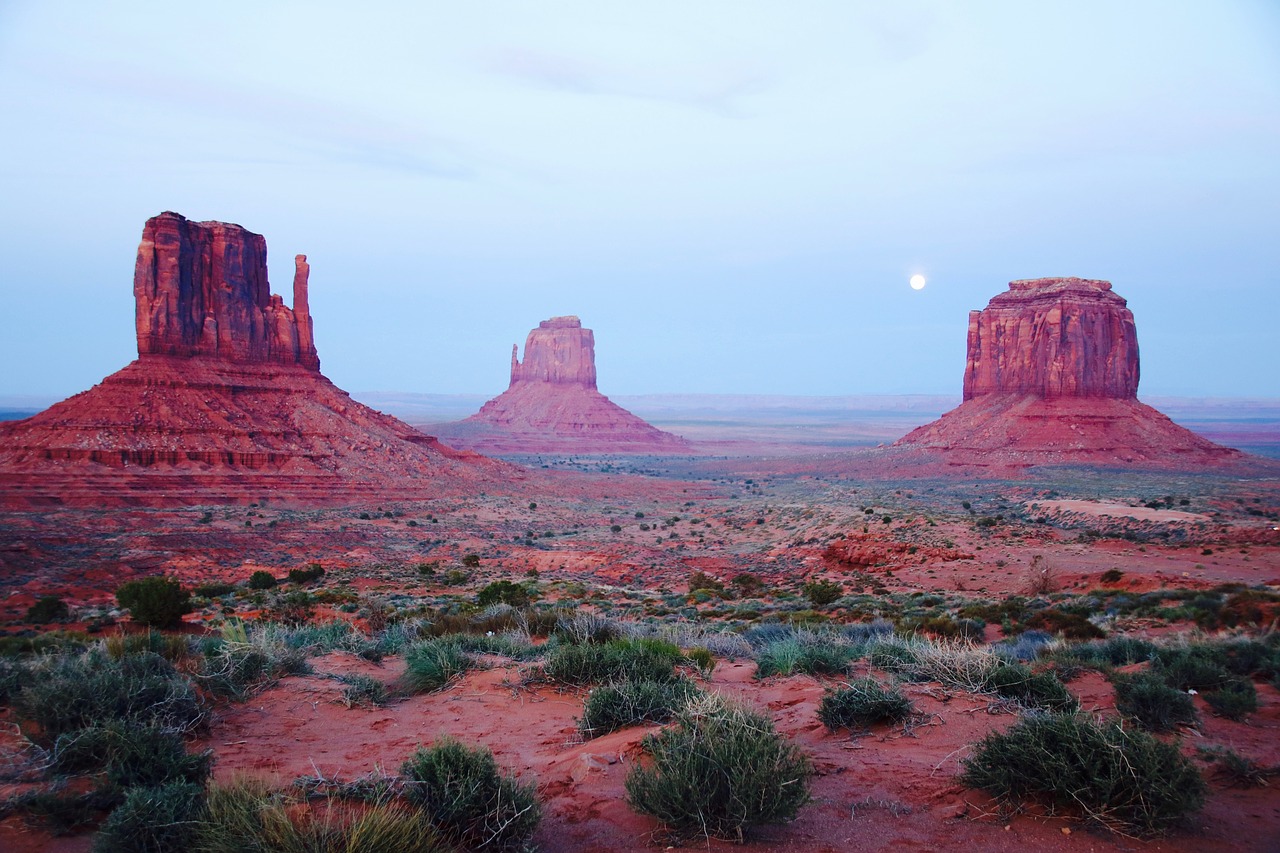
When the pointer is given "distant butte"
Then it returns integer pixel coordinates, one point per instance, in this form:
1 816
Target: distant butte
1052 377
225 402
553 405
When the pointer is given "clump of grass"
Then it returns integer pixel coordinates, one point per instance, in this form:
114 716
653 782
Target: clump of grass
432 664
1125 780
1152 703
796 655
152 819
1234 699
467 798
633 703
618 660
1115 651
720 770
861 704
1238 770
363 690
129 755
1029 688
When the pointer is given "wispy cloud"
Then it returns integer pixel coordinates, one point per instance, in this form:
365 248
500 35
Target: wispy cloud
713 89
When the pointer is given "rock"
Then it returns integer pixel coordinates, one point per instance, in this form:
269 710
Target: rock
1053 337
553 405
224 403
1052 377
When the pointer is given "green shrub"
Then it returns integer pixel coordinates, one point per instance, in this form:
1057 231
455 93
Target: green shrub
633 703
618 660
822 593
152 820
1199 667
130 755
63 812
1116 651
1238 770
503 592
1030 689
1155 705
261 579
862 703
701 580
1125 780
157 601
720 770
1234 700
49 608
1073 626
214 590
471 561
313 572
467 799
792 656
432 664
363 690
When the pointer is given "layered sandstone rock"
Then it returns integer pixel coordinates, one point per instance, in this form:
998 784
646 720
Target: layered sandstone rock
552 404
1052 376
225 401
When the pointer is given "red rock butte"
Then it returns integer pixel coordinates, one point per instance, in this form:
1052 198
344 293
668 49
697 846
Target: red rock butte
553 406
225 402
1052 377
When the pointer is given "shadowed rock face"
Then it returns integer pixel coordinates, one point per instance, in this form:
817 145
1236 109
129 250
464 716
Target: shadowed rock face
1052 377
201 289
1053 337
552 404
224 403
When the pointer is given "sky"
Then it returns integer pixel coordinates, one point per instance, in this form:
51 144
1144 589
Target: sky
733 194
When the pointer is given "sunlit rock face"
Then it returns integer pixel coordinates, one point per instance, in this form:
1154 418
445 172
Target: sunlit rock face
552 404
225 402
1053 337
1052 377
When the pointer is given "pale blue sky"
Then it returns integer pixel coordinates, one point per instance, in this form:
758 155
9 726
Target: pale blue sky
732 194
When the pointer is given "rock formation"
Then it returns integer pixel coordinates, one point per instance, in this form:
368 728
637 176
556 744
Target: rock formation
225 401
552 404
1052 376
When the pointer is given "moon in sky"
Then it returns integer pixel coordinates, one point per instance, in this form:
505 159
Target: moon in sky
917 282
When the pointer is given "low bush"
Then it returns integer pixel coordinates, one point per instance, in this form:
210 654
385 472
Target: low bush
720 770
466 798
1153 704
261 579
796 655
633 703
503 592
213 590
1115 651
432 664
1238 770
863 703
48 608
619 660
363 690
1028 688
129 755
157 601
1234 699
151 820
1073 626
313 572
1125 780
822 593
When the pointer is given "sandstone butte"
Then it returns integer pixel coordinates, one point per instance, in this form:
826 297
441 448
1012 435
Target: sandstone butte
1052 377
553 406
225 402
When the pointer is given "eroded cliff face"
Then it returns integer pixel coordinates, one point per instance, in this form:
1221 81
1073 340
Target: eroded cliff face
1053 337
559 352
200 288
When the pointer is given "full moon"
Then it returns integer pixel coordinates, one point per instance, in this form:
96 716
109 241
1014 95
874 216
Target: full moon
917 282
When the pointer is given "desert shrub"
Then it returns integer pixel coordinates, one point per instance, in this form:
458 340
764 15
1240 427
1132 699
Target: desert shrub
513 645
1028 688
1238 770
720 770
471 561
213 590
13 677
294 608
1115 651
363 690
261 579
587 628
466 798
1234 700
945 627
1153 704
157 601
701 580
632 703
71 693
1123 779
152 820
760 636
1024 647
313 572
822 593
1073 626
891 655
1248 657
171 647
1249 607
703 659
503 592
48 608
642 659
236 669
862 703
818 657
129 755
245 817
865 632
747 583
1197 667
1111 576
951 663
432 664
63 812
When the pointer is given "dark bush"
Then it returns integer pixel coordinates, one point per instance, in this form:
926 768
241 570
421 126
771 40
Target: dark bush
792 656
822 593
152 820
503 592
467 799
719 771
157 601
617 660
432 664
49 608
130 755
633 703
363 690
471 561
701 580
862 703
313 572
213 590
1030 689
1234 700
1073 626
1125 780
1116 651
1155 705
1199 667
262 579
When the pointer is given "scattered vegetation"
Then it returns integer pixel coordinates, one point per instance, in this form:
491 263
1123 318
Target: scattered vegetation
861 704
